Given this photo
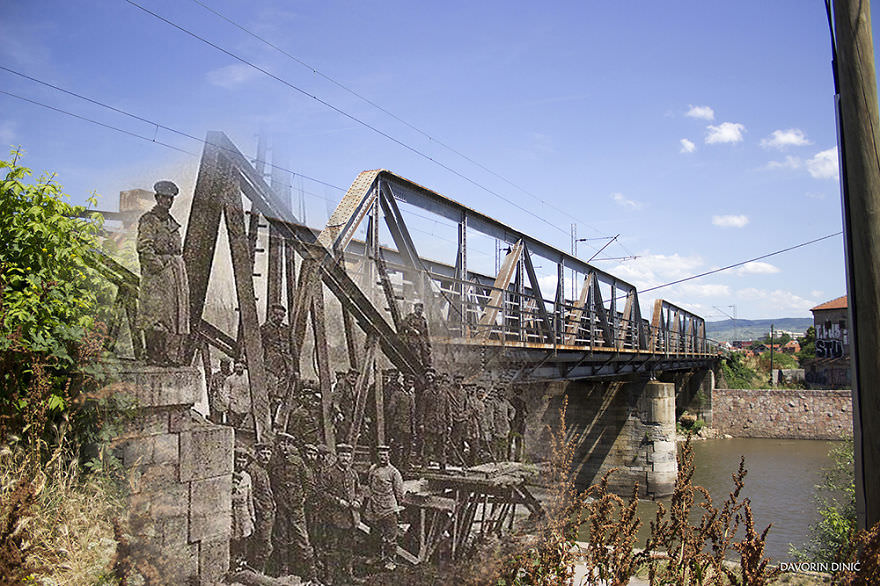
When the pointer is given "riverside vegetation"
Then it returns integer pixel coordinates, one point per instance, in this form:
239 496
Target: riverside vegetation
60 487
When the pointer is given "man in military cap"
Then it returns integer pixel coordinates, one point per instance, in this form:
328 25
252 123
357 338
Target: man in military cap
243 515
414 332
163 296
434 420
260 545
384 502
344 399
458 416
503 413
234 399
275 335
291 483
400 422
476 413
216 389
342 497
518 425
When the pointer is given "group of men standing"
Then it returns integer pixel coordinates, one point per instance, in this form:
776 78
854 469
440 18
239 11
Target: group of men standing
298 511
445 419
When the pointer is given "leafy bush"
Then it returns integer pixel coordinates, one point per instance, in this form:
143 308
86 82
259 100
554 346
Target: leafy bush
736 373
836 502
52 301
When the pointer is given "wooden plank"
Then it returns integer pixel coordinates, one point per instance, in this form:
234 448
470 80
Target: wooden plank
361 390
626 321
244 287
502 282
573 323
322 348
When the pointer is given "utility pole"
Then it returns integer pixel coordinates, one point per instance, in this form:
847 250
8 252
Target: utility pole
859 137
772 381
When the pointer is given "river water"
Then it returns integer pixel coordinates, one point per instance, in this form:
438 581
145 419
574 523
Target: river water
781 480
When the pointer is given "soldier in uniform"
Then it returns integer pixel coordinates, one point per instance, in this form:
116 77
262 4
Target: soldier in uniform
458 417
277 357
217 378
475 412
314 523
163 296
503 413
260 544
488 421
344 399
342 497
291 483
414 332
434 420
518 425
243 514
400 423
235 397
384 498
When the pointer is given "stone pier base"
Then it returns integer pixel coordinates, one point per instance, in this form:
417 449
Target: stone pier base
625 425
180 470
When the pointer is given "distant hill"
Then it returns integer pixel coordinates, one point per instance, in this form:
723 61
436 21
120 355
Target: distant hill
752 329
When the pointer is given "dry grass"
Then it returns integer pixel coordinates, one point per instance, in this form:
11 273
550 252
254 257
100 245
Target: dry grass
67 527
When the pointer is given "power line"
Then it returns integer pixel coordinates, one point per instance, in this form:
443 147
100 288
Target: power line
170 146
346 114
136 117
342 86
763 256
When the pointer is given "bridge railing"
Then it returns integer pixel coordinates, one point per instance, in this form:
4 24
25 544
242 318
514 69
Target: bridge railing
510 317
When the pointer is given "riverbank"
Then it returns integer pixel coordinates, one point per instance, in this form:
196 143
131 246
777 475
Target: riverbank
782 413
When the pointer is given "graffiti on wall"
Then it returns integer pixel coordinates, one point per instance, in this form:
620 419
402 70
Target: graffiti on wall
829 348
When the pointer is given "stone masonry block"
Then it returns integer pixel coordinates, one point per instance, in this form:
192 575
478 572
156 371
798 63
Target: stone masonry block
213 561
206 452
175 532
165 448
172 501
157 386
152 477
210 502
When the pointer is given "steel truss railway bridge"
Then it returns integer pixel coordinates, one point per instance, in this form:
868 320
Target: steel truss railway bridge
501 326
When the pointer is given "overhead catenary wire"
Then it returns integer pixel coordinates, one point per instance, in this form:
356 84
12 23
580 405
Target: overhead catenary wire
202 141
384 110
738 264
184 151
346 114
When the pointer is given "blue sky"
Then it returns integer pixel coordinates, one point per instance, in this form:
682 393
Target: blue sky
701 132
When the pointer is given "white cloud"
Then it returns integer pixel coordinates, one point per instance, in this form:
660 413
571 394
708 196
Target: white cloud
730 221
781 139
758 268
725 132
823 165
687 146
696 290
626 203
701 112
231 75
815 195
649 270
789 163
782 302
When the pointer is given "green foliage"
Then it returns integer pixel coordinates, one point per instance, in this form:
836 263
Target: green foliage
780 360
830 537
808 345
737 374
51 306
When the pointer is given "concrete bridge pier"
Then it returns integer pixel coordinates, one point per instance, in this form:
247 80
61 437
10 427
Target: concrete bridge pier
628 425
693 392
